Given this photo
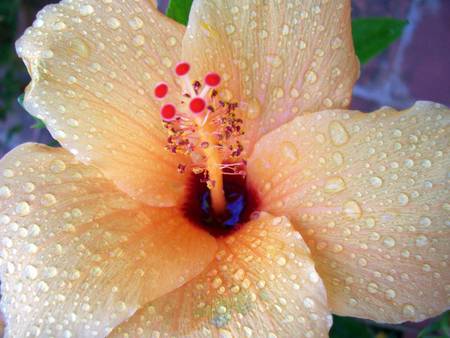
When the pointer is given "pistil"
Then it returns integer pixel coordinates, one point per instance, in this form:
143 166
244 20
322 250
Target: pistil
205 128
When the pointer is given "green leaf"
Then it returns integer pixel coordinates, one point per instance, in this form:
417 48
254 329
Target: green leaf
346 327
371 36
179 10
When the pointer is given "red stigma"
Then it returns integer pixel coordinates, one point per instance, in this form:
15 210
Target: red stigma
197 105
182 68
161 90
168 112
212 79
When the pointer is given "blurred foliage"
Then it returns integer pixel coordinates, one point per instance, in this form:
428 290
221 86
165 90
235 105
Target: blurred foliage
11 66
438 329
371 36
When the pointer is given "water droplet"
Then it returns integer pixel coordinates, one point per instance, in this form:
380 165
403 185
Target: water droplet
136 23
390 294
374 236
43 286
7 242
278 92
281 260
74 275
113 23
421 240
289 151
308 303
121 306
426 164
5 192
47 54
171 41
314 277
338 133
8 173
167 62
334 184
230 29
34 230
338 158
328 102
294 93
80 47
336 43
31 272
362 262
425 221
352 209
96 271
311 77
403 199
276 61
376 181
254 109
59 26
48 200
409 311
389 242
23 208
57 166
338 248
372 288
225 334
138 40
86 10
72 122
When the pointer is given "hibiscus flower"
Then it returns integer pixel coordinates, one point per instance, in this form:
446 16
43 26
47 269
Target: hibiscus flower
210 181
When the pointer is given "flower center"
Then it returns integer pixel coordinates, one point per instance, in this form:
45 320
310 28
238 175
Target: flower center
206 128
241 201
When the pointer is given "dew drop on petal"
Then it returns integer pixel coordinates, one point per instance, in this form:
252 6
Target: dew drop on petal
254 109
338 133
23 208
113 23
409 311
352 209
376 182
5 192
289 150
57 166
334 184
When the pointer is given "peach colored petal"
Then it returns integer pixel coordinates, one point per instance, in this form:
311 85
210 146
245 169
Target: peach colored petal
370 195
279 59
94 65
78 255
261 284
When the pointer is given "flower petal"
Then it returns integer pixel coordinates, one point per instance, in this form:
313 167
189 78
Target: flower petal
94 65
261 284
279 58
369 193
79 256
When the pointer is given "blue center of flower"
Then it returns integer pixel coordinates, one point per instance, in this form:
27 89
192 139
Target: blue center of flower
241 202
